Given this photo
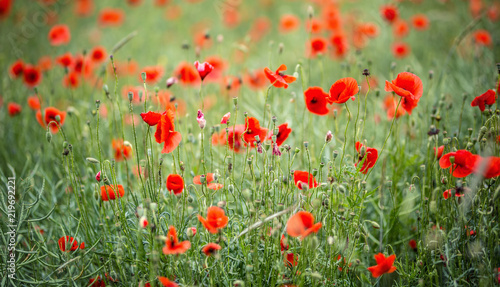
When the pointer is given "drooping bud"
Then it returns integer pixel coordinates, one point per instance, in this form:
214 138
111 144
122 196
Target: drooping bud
98 176
328 136
276 150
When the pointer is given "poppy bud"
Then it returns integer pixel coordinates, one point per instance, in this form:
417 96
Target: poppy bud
221 204
238 283
190 199
257 138
143 222
389 183
48 136
191 231
280 48
247 194
143 76
203 179
444 180
316 203
130 96
98 176
366 248
235 101
328 136
373 224
452 159
249 268
249 161
58 118
297 150
92 160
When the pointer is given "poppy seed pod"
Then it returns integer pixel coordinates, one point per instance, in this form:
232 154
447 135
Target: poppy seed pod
143 76
48 136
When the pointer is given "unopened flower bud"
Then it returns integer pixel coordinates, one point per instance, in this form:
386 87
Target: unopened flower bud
92 160
328 137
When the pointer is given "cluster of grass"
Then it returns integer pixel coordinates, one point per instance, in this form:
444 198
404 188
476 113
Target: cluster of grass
400 200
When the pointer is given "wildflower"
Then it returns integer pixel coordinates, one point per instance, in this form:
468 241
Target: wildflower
340 44
166 282
369 158
45 63
447 193
5 6
218 66
14 109
400 50
409 87
191 231
172 244
31 76
482 37
439 151
256 80
316 101
65 60
317 46
400 28
122 151
343 90
304 178
289 23
462 165
384 265
252 129
110 17
165 129
67 244
488 98
225 118
328 136
203 69
50 115
291 260
187 74
71 80
216 219
208 178
175 184
283 132
59 35
420 22
278 79
302 224
153 74
491 167
413 244
98 176
211 249
171 81
109 190
16 69
98 54
389 13
96 282
201 119
34 103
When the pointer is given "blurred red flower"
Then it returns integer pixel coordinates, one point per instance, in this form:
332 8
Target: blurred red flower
384 265
166 282
59 35
303 179
389 13
68 243
111 17
111 192
16 69
187 74
34 103
98 54
420 22
216 219
211 249
289 23
121 150
50 115
302 224
400 49
31 76
153 74
483 37
14 109
283 133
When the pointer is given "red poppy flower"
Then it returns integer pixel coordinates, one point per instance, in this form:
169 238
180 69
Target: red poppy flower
389 13
83 8
16 69
384 265
109 192
203 69
340 44
413 244
409 87
316 101
369 29
153 74
370 158
5 6
317 46
175 184
71 80
400 50
253 129
302 178
234 137
491 167
109 17
447 193
166 282
121 150
439 151
283 243
420 22
211 249
343 90
278 79
302 224
172 244
314 25
289 23
31 76
488 98
165 129
45 63
283 133
59 35
67 244
218 64
216 219
187 74
255 80
65 60
390 104
463 164
14 109
98 54
96 282
34 103
50 115
400 28
291 260
483 37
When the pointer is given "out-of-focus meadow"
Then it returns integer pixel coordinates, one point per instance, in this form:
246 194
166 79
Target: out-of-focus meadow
249 143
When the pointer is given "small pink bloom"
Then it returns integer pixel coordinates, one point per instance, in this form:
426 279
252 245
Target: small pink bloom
98 176
225 118
143 222
201 119
203 69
